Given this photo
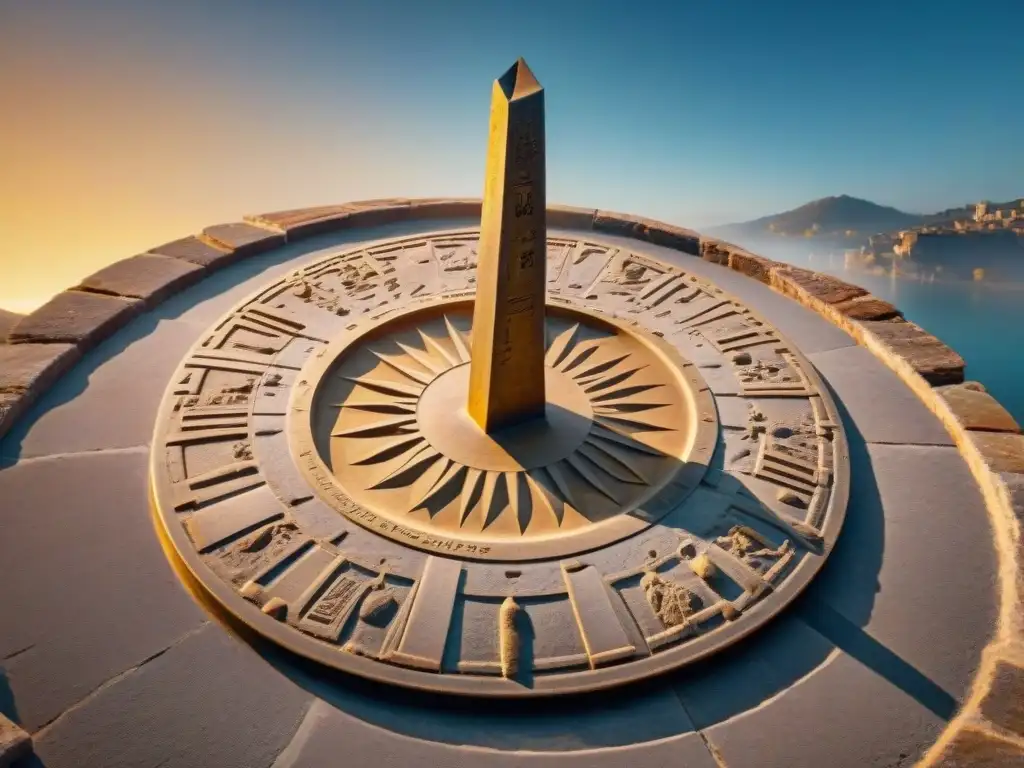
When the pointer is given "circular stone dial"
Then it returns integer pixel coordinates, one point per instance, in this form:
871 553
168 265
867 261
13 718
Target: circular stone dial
315 469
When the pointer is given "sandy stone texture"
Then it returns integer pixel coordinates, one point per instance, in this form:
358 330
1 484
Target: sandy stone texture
75 317
197 251
148 277
244 239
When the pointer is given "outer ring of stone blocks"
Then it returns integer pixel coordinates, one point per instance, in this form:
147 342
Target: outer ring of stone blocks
990 727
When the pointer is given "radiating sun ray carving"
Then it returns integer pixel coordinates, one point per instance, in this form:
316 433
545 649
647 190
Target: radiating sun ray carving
607 465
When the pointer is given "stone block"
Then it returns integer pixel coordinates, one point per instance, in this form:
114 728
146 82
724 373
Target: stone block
31 368
714 251
243 239
831 290
1003 451
14 743
148 277
570 217
868 307
445 208
757 267
197 251
933 360
651 231
971 748
304 222
1003 705
978 410
76 317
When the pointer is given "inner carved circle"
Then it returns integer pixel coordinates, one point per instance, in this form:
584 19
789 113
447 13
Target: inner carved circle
449 428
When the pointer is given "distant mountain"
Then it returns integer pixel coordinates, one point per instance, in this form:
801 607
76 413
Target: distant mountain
7 321
841 216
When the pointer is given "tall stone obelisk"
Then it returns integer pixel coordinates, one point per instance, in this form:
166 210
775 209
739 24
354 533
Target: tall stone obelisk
508 342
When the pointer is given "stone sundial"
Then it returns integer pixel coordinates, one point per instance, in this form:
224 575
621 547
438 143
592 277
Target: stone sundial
492 464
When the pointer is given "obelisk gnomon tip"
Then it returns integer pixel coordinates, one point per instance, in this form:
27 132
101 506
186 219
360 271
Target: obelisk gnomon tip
508 341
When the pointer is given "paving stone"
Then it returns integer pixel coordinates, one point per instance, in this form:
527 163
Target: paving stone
1003 705
932 359
973 749
109 399
197 251
244 239
14 743
978 410
884 409
304 222
328 732
206 701
34 367
715 251
75 317
843 715
569 217
915 557
868 307
445 208
757 267
648 230
1003 452
826 288
149 277
94 593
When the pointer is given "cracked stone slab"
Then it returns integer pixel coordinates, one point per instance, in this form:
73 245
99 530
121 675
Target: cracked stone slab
147 277
95 594
328 732
915 558
976 409
14 743
244 239
109 399
196 251
25 371
883 408
75 317
936 362
1003 452
207 701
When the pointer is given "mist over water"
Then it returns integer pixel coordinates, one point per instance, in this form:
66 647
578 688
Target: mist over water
983 321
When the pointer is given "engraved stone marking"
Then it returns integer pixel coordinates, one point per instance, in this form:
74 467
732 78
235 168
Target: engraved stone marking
422 644
603 636
507 370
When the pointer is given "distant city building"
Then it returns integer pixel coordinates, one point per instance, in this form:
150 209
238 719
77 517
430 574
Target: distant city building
980 210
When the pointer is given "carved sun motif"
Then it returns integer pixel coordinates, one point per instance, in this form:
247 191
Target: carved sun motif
612 432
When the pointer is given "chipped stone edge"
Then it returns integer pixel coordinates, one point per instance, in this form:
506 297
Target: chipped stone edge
849 307
15 743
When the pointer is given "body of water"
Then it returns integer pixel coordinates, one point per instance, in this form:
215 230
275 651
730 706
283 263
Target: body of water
982 321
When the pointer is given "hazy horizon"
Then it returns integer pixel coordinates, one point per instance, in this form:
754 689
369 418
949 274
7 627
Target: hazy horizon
135 123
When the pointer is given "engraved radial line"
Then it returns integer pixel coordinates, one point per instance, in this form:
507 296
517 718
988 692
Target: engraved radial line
417 376
470 494
381 428
386 387
540 494
611 462
585 472
624 392
562 346
433 475
380 406
423 358
487 496
515 503
460 343
432 343
562 483
385 450
642 426
422 455
611 381
453 473
625 406
581 358
608 433
601 367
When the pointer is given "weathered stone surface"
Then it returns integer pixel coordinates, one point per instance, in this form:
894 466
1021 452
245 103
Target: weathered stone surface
303 222
757 267
206 701
243 239
197 251
714 251
75 317
1003 452
570 217
445 208
656 232
148 277
972 748
884 409
94 593
12 405
867 307
933 360
823 287
978 410
34 367
14 742
1003 705
7 321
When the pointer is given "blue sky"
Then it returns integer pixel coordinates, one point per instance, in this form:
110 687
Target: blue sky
696 113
